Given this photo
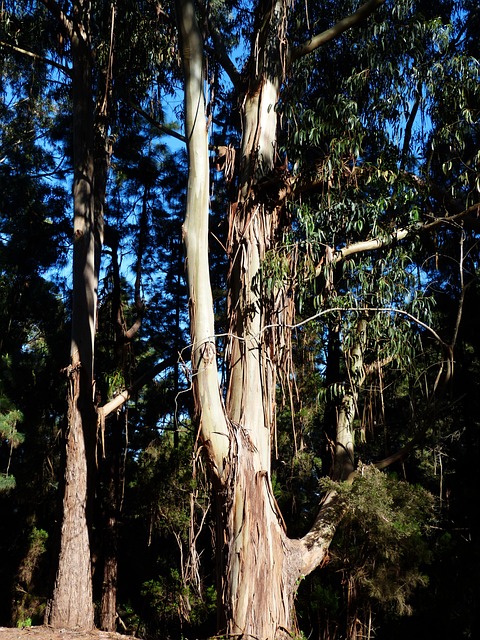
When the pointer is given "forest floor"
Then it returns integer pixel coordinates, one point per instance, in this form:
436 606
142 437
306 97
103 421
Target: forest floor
46 633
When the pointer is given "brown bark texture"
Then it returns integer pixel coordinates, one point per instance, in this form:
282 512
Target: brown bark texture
71 605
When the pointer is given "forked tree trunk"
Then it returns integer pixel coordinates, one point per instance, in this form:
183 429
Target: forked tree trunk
259 566
71 605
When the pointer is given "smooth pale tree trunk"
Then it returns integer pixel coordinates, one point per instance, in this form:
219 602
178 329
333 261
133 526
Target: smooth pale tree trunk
259 566
71 606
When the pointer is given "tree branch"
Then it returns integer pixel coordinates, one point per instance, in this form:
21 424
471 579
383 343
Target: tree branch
317 541
330 34
155 123
409 127
37 57
65 23
126 394
396 236
324 312
222 55
142 240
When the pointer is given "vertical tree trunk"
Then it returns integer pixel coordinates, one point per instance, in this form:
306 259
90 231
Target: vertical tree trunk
345 436
108 603
71 605
112 505
259 566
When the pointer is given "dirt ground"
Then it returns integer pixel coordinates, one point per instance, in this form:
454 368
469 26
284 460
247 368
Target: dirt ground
46 633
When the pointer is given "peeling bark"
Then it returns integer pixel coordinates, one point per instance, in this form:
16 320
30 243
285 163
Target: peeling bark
259 566
345 437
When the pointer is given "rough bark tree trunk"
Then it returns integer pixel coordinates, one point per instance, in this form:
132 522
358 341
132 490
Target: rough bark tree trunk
112 468
345 439
71 605
258 564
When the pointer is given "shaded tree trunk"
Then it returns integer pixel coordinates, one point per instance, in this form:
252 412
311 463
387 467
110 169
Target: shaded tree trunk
112 506
71 605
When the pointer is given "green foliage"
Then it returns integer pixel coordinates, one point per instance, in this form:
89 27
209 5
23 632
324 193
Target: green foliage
29 599
380 132
171 599
10 438
7 483
166 503
380 556
8 428
21 624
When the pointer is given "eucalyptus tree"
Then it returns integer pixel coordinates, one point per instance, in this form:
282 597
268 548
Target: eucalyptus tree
343 103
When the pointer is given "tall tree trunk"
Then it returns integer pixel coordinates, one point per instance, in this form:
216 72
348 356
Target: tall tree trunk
112 506
259 566
345 442
71 605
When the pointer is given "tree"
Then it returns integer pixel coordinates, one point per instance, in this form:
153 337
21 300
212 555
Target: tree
350 173
78 31
260 565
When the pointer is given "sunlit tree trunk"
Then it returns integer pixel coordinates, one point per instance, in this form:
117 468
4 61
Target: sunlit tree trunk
259 566
257 570
345 441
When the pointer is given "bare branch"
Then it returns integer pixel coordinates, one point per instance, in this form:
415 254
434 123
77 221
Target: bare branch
120 399
400 312
400 234
128 334
401 454
37 57
330 34
161 127
409 127
370 245
317 541
65 23
222 55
